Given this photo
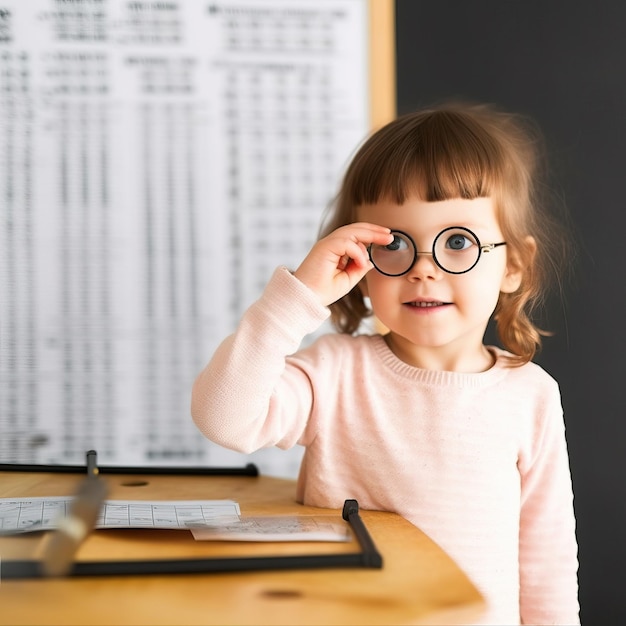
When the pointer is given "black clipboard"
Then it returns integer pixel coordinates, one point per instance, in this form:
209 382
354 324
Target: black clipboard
367 557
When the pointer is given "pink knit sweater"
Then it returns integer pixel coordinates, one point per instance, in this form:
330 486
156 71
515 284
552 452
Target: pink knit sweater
477 461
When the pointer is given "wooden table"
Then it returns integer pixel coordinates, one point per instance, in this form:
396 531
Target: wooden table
418 584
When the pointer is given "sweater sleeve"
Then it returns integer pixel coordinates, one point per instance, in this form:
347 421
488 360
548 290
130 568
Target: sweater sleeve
247 397
548 549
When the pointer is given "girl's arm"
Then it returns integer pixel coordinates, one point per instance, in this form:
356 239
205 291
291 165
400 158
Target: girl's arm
248 396
247 380
548 547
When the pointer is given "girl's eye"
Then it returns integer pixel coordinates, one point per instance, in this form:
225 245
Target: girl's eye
397 244
458 242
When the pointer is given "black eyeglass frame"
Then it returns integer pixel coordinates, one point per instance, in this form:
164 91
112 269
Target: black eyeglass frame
482 247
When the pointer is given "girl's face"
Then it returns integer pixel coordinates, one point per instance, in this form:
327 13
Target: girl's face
437 320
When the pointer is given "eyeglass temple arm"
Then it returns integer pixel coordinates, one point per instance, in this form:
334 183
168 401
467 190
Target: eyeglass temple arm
488 247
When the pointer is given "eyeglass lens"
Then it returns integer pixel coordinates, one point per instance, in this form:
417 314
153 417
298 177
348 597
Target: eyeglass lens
456 250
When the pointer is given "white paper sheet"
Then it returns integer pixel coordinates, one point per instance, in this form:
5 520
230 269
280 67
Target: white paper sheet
33 514
214 520
276 528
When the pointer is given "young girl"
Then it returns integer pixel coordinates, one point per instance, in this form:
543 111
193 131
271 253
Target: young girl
436 229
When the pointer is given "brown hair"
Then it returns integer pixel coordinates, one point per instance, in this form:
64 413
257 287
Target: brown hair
464 151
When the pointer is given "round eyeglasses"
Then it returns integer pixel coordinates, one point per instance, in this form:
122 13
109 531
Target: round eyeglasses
456 250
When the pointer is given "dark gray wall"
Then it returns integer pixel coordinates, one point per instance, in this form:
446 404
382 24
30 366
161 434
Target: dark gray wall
563 63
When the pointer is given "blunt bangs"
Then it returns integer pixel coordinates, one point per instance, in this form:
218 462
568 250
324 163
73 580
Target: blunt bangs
439 156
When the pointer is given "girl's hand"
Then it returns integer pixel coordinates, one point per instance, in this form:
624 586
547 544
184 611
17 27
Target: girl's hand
339 261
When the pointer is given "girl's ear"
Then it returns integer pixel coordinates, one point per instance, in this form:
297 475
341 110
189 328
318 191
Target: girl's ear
517 263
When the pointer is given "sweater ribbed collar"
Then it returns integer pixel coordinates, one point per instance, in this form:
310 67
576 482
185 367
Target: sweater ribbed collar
442 378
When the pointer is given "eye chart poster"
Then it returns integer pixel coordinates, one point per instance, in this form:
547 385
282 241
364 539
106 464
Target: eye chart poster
159 159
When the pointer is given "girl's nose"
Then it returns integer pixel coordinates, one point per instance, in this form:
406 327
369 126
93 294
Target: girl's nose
424 268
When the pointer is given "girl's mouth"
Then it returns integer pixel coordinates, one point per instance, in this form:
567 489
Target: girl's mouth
422 304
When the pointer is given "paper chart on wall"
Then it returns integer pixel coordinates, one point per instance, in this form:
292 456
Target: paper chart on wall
159 160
